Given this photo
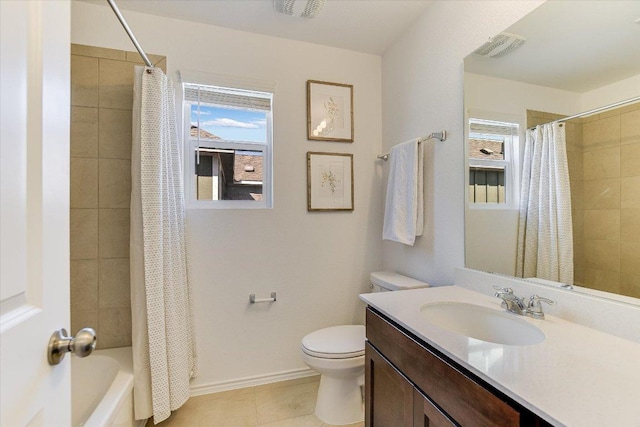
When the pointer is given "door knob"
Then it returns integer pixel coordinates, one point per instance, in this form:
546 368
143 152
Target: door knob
81 345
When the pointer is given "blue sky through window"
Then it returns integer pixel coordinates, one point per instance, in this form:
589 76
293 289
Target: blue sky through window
231 123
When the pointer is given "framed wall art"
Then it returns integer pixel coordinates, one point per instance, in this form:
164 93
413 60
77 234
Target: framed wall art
329 181
329 111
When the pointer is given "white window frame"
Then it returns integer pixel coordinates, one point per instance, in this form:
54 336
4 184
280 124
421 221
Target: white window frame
511 161
191 145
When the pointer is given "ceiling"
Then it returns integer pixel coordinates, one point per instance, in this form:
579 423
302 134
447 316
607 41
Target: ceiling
362 25
571 45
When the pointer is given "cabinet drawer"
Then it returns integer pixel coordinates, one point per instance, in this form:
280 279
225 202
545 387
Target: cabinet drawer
464 400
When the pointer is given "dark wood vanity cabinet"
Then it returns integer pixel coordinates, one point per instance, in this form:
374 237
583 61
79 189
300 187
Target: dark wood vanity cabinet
392 400
410 384
388 394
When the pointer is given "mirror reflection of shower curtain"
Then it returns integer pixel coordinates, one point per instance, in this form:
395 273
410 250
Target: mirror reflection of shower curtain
163 344
545 231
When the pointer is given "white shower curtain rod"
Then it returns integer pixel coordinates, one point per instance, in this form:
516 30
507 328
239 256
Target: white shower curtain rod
144 56
596 110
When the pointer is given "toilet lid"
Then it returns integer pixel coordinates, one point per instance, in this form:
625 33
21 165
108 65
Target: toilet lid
336 342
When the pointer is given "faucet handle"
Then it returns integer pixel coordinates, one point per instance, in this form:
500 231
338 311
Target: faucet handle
534 309
502 291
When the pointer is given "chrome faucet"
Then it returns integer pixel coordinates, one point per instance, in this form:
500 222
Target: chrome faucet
515 305
512 303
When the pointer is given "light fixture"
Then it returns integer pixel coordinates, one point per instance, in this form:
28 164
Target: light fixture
299 8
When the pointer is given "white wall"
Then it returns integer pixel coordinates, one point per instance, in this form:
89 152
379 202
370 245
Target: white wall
422 92
618 91
491 239
503 96
317 262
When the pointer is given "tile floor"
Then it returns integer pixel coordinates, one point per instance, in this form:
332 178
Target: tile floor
284 404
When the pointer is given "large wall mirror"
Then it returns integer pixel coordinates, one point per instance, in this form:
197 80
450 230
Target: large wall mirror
562 59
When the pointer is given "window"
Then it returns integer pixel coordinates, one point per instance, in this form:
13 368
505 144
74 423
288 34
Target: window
492 176
229 148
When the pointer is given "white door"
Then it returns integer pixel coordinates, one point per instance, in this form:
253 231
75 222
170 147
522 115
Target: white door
34 210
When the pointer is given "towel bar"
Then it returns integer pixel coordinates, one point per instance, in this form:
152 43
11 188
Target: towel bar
442 136
253 299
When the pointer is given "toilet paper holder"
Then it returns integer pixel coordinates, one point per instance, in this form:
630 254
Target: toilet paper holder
253 299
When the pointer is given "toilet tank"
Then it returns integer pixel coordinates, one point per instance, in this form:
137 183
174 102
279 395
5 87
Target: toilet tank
382 281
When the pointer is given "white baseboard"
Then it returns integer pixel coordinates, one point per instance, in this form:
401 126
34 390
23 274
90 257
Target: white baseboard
251 381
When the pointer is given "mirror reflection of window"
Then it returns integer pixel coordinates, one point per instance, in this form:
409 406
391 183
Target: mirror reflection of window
491 166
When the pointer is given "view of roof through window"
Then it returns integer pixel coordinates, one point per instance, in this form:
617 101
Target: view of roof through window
487 138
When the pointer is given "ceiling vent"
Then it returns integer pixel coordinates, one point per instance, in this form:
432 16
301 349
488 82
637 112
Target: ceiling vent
299 8
500 45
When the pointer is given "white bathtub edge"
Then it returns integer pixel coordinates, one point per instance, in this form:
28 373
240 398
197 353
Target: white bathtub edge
121 389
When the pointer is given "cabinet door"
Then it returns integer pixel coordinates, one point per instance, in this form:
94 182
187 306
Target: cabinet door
465 400
426 414
388 394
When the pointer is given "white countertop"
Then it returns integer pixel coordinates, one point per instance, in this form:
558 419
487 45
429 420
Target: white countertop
576 377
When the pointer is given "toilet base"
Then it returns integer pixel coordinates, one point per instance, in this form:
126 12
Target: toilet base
340 400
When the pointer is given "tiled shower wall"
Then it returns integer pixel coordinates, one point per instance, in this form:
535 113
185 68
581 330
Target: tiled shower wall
101 103
611 201
604 166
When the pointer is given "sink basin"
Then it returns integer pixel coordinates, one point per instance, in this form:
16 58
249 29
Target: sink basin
482 323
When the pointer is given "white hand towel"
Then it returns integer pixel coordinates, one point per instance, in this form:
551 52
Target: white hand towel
404 207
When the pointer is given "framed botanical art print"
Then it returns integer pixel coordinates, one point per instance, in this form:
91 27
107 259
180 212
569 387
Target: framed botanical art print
329 181
329 111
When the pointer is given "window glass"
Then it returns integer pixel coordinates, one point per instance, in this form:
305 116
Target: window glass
491 161
229 147
232 124
223 174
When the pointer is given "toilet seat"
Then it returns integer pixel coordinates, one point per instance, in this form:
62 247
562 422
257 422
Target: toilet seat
336 342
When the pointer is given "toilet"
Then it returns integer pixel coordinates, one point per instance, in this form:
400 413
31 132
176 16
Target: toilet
337 354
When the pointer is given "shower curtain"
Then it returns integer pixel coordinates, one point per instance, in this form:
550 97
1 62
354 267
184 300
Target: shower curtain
545 231
163 345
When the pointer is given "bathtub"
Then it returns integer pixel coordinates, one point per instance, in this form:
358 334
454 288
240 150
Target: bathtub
102 389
